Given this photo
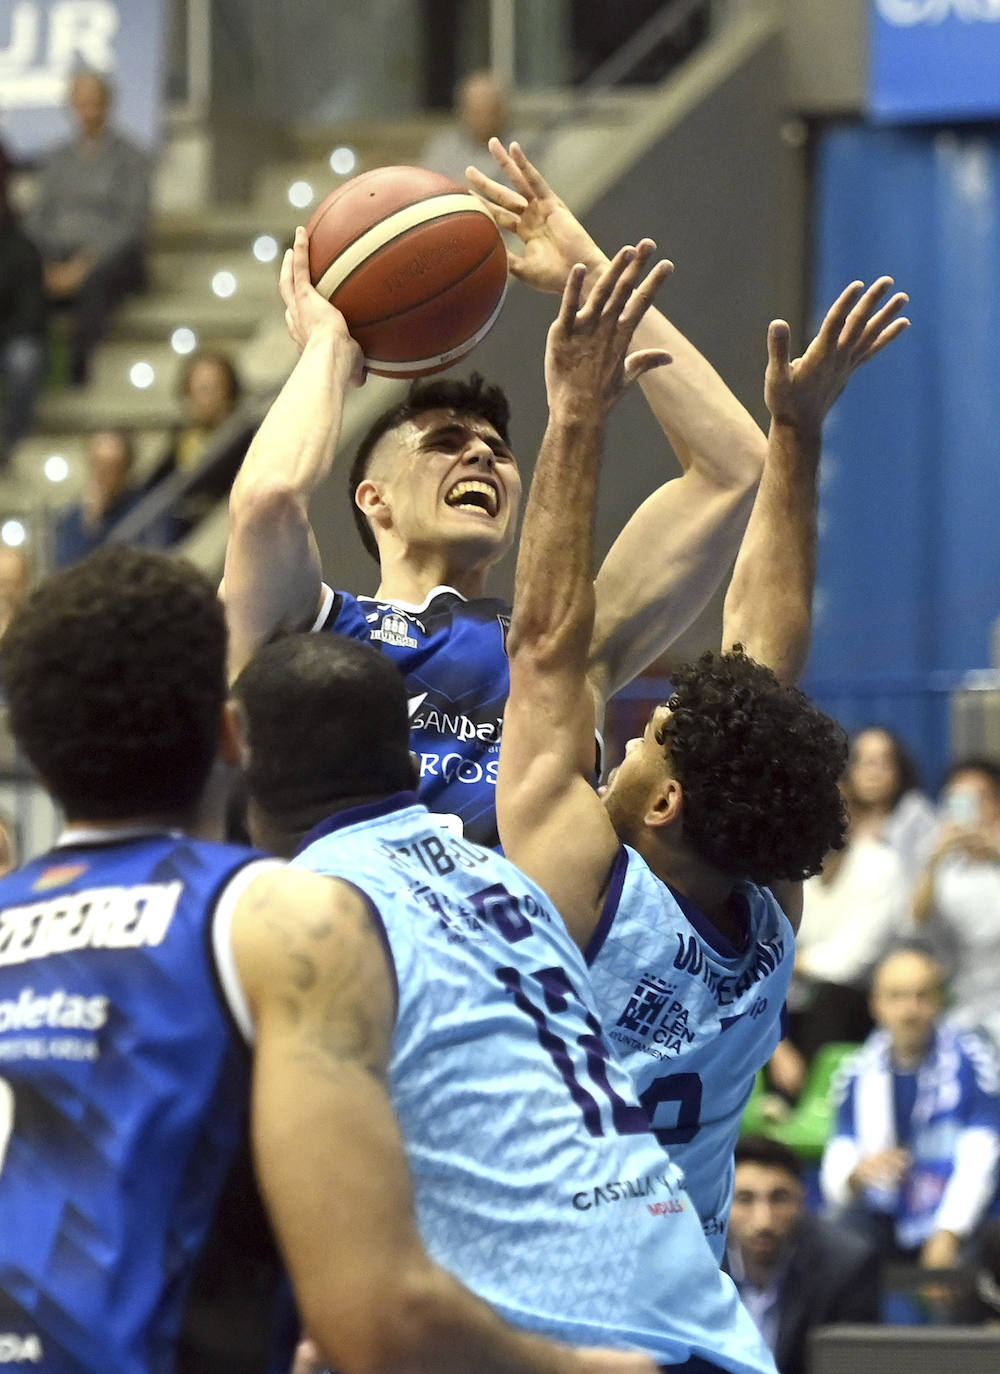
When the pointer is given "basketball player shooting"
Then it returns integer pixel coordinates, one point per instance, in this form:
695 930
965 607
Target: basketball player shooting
437 492
683 885
472 1003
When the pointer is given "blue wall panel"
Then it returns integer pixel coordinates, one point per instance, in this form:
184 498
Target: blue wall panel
909 574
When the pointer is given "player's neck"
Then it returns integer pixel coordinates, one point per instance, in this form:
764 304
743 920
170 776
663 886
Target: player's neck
410 577
708 888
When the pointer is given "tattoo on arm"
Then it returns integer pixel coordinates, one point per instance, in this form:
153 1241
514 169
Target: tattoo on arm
323 977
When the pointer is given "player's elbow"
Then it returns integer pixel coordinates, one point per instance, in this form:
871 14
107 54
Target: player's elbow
265 504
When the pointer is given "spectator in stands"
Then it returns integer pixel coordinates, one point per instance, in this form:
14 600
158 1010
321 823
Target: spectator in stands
957 900
90 220
108 494
480 113
22 325
852 913
885 798
794 1271
913 1161
210 442
15 580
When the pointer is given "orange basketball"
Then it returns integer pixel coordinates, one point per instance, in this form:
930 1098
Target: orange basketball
414 262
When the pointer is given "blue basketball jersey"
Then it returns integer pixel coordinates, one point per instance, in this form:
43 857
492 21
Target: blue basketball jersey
128 1216
537 1179
692 1017
453 655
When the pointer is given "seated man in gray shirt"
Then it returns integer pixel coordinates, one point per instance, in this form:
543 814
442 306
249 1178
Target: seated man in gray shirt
90 220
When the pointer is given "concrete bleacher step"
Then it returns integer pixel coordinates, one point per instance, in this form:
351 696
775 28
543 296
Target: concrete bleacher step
186 272
154 317
224 227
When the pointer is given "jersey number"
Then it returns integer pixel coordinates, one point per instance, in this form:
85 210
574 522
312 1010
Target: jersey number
586 1059
685 1090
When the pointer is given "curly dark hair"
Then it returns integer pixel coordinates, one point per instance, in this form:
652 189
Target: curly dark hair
759 765
114 672
474 397
326 720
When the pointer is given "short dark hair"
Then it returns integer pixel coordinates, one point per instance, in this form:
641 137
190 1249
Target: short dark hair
771 1154
114 672
907 773
760 767
327 720
473 397
975 763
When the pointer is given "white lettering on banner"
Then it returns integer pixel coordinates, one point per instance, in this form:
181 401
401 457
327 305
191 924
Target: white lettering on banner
36 59
904 14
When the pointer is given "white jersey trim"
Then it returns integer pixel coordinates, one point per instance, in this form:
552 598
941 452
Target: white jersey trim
410 605
222 943
326 601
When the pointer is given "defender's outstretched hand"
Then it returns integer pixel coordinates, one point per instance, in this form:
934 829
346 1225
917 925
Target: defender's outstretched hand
554 239
587 360
799 393
307 312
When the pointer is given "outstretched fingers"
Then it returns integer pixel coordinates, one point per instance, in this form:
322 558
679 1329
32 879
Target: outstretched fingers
495 193
523 174
884 326
862 311
779 347
836 317
569 305
644 360
643 295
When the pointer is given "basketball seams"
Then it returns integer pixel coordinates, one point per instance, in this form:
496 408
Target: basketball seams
439 361
428 299
387 230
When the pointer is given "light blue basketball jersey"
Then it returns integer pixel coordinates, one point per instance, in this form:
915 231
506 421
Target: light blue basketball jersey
692 1017
537 1179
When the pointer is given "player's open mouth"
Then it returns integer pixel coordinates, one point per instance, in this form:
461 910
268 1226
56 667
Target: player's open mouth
474 495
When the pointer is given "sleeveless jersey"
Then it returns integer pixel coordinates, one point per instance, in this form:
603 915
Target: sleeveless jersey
453 656
126 1198
537 1179
692 1017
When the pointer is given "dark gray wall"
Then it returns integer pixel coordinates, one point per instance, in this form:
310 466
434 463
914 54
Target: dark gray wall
720 195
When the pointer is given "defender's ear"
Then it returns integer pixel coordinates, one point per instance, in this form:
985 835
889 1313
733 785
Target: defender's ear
414 770
234 735
666 806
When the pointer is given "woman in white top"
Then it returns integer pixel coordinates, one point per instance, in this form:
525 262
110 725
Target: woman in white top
883 791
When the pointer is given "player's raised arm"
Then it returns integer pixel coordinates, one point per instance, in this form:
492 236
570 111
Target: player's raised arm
272 576
546 805
681 542
331 1162
768 606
